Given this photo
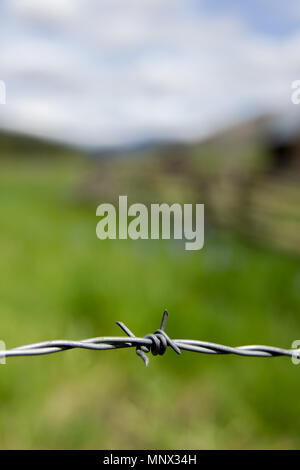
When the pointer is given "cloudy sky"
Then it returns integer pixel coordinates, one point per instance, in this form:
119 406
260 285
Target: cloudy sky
114 72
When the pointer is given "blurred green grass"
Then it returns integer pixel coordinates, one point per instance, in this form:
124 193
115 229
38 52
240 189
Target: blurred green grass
59 281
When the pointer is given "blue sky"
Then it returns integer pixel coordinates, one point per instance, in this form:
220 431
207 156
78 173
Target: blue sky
268 17
115 72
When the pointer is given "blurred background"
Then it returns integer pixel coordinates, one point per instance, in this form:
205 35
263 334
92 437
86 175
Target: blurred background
165 101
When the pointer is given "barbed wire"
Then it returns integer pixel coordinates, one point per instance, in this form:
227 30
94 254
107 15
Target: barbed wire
156 343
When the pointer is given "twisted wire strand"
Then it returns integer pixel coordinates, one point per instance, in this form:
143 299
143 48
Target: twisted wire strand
156 343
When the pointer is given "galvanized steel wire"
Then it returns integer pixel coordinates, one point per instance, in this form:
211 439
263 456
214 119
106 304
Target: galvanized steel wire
156 343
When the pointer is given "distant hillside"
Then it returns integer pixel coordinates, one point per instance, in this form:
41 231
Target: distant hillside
23 145
230 142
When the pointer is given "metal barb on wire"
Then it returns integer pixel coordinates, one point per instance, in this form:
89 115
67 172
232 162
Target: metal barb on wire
156 343
160 340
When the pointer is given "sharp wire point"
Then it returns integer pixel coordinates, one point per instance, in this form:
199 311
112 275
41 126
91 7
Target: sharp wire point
125 329
164 320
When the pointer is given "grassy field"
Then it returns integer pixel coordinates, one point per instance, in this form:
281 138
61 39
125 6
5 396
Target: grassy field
57 280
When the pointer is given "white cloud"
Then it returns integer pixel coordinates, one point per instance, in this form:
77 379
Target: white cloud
115 71
54 10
